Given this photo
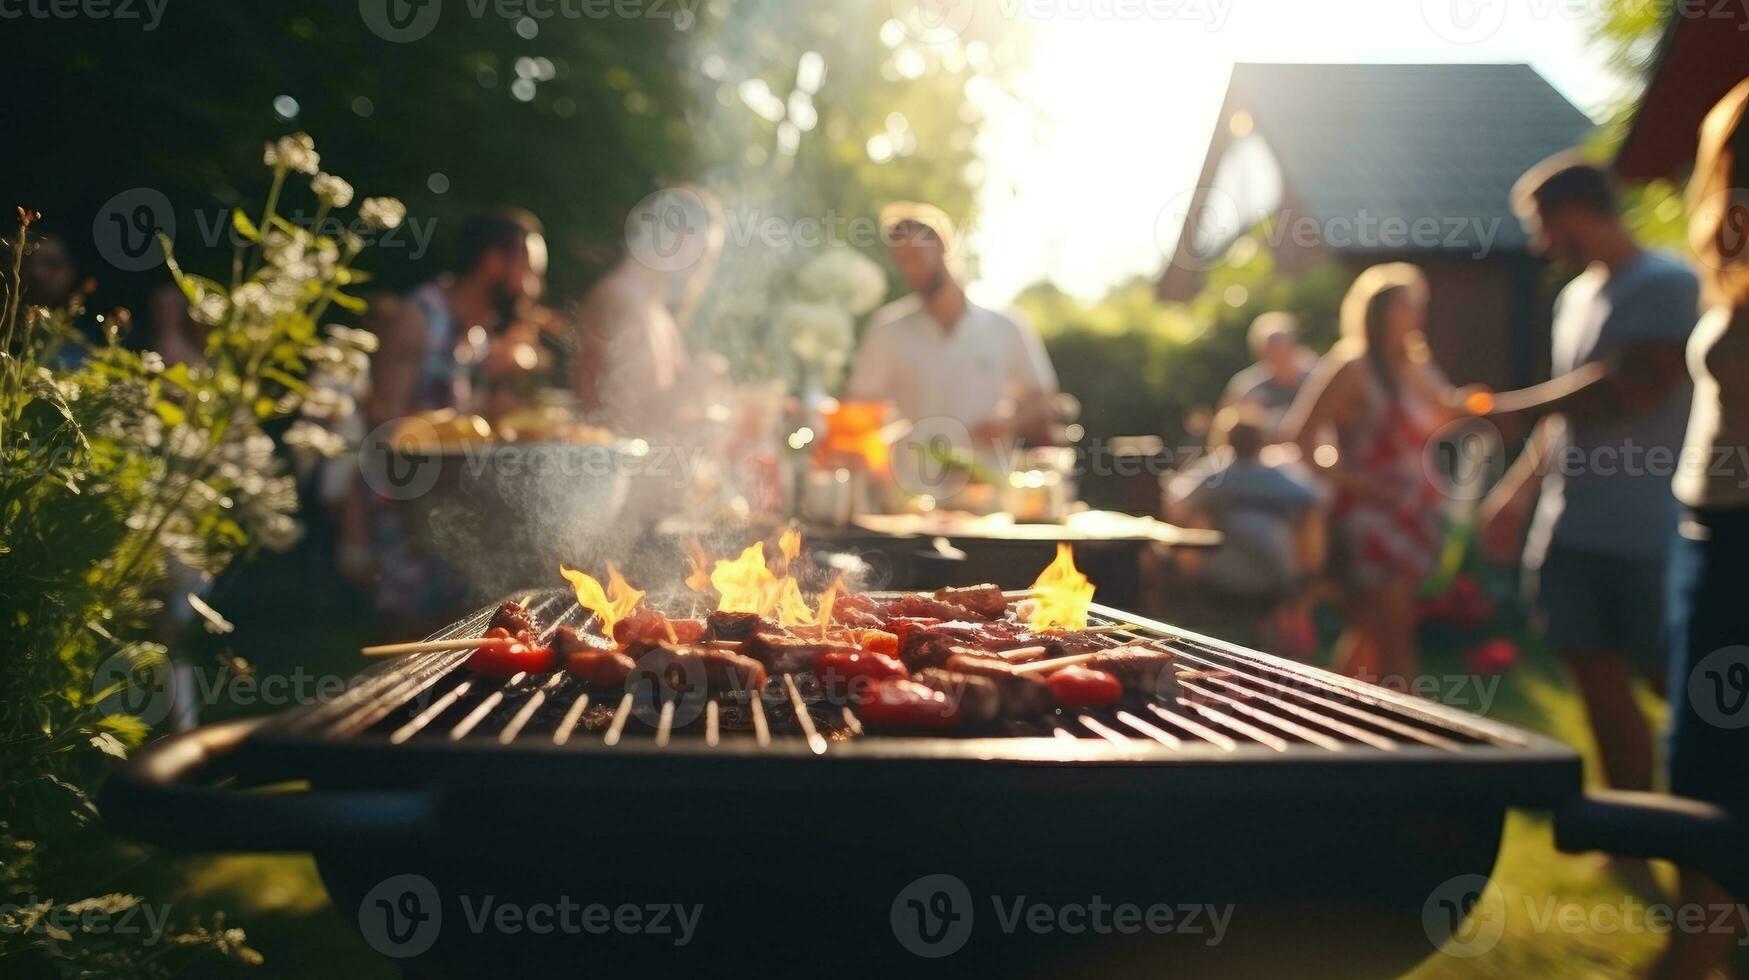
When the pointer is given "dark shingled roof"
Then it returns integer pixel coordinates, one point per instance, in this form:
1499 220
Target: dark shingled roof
1408 141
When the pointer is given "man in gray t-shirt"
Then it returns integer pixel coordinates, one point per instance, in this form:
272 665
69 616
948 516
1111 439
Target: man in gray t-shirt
1611 429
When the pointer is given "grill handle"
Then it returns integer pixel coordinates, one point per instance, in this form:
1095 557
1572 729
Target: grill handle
164 796
1690 833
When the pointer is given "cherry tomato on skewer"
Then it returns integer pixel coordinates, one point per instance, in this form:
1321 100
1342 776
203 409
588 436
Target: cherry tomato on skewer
903 705
1083 687
845 672
503 655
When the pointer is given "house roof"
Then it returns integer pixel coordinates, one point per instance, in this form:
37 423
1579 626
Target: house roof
1699 61
1400 142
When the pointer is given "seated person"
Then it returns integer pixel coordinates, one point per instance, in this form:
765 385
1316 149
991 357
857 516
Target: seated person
1271 517
1283 365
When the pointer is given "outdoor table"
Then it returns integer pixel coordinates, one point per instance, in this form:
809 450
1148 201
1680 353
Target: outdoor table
922 551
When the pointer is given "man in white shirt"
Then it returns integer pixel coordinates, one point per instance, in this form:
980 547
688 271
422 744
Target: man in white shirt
937 356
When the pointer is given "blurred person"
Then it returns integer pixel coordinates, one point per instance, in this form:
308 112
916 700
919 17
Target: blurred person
434 342
936 354
1272 522
50 276
432 345
1364 421
632 370
1596 552
174 334
1283 365
1710 561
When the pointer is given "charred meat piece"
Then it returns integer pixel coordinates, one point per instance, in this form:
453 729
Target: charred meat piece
858 610
515 617
987 601
1141 670
735 625
600 670
1023 695
930 646
918 605
644 627
687 669
784 653
978 698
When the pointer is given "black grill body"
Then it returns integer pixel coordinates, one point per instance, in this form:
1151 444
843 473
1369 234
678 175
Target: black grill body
1330 816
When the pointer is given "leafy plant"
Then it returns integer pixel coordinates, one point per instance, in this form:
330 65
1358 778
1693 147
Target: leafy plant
115 468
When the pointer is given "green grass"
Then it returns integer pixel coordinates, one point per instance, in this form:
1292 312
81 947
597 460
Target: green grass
1530 873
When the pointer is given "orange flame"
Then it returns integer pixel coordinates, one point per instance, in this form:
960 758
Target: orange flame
828 598
699 578
1062 595
610 605
747 584
789 545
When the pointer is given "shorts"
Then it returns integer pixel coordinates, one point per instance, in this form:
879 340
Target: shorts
1709 678
1589 603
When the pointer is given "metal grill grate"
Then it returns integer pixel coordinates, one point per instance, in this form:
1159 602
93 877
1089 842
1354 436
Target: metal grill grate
1228 701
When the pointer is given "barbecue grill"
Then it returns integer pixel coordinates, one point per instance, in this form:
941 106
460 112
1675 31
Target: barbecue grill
1326 813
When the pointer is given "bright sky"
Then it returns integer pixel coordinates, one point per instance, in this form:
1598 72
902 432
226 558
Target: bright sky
1117 107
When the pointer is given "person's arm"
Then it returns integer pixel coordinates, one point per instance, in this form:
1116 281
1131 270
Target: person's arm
1650 365
1426 377
1506 510
1033 382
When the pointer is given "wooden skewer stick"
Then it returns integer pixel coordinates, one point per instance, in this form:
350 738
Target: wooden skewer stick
1046 666
1022 654
1102 630
433 646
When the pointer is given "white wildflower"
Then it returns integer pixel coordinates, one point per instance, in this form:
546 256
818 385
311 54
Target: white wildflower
152 362
363 340
209 309
820 334
254 300
382 213
331 190
846 277
283 250
295 152
327 403
278 532
305 436
327 257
